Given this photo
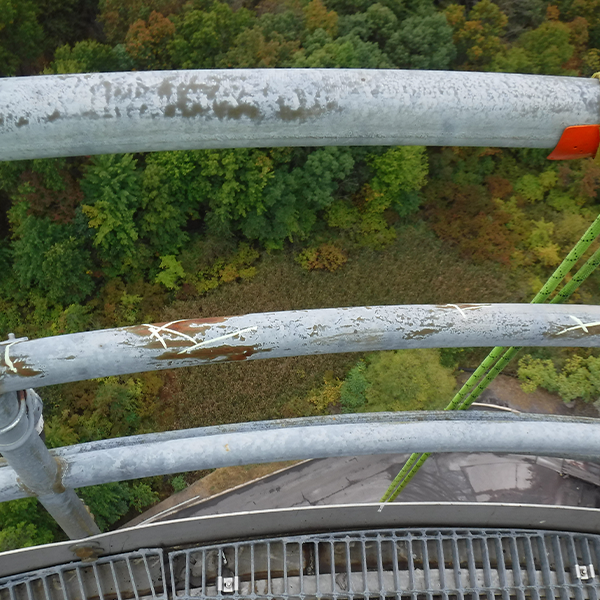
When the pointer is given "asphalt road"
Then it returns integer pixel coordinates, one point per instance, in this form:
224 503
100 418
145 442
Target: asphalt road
444 477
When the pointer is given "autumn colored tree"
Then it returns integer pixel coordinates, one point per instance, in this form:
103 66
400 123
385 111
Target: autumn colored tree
253 49
477 36
117 16
147 41
318 17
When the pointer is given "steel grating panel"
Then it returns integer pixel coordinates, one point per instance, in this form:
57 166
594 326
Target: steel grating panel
416 564
137 575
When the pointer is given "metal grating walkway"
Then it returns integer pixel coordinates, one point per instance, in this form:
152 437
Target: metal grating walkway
406 564
416 564
137 575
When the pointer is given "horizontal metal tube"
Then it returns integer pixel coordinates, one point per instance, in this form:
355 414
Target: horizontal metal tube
295 439
100 113
302 520
81 356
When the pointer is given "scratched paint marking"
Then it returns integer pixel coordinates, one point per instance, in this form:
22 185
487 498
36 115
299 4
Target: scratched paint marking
7 360
462 310
580 325
156 331
217 339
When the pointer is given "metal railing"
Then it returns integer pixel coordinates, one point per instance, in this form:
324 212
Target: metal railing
120 112
103 113
384 563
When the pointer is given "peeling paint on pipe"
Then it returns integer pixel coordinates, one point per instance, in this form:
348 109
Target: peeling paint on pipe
319 437
185 343
101 113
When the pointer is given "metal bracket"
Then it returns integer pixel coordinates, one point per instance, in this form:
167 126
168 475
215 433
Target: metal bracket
13 340
87 551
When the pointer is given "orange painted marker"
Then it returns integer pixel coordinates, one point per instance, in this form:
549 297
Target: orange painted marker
578 141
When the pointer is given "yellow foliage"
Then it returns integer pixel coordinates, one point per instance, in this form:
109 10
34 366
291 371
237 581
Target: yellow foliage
326 396
318 17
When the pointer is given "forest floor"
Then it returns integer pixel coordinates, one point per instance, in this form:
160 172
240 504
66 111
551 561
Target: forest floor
416 269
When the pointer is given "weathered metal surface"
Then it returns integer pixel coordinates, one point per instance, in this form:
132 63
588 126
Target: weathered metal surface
295 439
184 343
100 113
36 472
311 519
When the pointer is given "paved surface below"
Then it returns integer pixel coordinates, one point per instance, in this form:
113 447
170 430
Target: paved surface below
444 477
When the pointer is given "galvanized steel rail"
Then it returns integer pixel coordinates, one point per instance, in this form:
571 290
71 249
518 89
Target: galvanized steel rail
101 113
319 437
87 114
186 343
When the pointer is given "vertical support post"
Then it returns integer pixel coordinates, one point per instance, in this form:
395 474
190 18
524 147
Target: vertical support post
38 471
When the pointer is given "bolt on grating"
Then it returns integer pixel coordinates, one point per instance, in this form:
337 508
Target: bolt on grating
449 564
138 575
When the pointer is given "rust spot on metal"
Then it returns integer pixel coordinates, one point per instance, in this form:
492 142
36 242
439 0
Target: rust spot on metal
165 89
224 110
57 486
25 370
218 352
420 334
51 118
302 113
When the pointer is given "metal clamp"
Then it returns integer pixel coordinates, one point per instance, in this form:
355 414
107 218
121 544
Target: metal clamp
25 408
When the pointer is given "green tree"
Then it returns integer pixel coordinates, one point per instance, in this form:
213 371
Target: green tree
349 52
396 178
25 523
50 256
296 193
578 378
89 56
111 185
353 390
66 21
522 15
205 33
398 380
543 51
422 42
20 36
107 502
408 380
